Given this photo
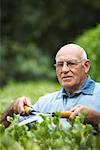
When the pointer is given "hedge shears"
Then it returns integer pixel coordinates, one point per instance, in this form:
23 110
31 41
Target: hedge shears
34 116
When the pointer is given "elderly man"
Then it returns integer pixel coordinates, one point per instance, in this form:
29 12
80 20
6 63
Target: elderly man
79 91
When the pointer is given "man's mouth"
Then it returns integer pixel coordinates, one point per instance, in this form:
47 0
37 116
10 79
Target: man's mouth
66 77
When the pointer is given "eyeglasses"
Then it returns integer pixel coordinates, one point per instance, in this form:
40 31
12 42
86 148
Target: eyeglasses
71 64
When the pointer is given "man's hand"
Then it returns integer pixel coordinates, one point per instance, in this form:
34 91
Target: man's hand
76 110
92 116
16 107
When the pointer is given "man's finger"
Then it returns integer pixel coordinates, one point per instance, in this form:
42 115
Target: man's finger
28 101
76 111
74 108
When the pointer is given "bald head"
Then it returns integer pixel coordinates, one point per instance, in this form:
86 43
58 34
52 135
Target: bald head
72 49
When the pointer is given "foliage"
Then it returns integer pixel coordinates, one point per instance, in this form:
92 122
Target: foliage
23 62
90 41
49 24
48 135
94 3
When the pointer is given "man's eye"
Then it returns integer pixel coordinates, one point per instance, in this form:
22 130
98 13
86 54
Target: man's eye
60 65
71 63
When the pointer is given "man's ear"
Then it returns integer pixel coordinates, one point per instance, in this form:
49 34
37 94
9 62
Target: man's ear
87 66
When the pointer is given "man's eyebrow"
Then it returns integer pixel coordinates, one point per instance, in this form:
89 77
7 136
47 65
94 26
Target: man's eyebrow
60 61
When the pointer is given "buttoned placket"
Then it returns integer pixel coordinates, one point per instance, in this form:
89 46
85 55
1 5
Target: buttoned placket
70 101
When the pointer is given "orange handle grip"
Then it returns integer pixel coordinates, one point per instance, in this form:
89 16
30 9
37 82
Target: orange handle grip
26 109
65 114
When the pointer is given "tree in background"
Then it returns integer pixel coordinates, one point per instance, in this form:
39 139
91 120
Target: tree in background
47 23
90 41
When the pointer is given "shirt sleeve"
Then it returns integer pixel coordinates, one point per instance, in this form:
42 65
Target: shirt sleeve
36 106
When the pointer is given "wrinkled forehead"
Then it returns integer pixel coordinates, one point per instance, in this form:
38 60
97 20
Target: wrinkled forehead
68 54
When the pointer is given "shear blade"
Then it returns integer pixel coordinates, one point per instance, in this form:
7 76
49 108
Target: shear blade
30 120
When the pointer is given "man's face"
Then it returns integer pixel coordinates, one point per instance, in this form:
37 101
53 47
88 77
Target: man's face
71 70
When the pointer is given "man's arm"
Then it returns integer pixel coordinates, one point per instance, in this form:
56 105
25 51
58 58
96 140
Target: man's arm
3 119
93 118
16 107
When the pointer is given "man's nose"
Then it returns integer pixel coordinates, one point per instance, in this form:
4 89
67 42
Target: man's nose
65 68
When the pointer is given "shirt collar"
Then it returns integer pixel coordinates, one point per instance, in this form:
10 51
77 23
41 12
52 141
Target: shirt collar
87 88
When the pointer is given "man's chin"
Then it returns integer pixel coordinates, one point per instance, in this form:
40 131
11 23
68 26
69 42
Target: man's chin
67 85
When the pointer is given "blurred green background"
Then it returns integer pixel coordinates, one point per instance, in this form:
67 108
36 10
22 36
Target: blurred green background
33 31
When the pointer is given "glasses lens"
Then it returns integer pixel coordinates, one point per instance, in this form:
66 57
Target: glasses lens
70 64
